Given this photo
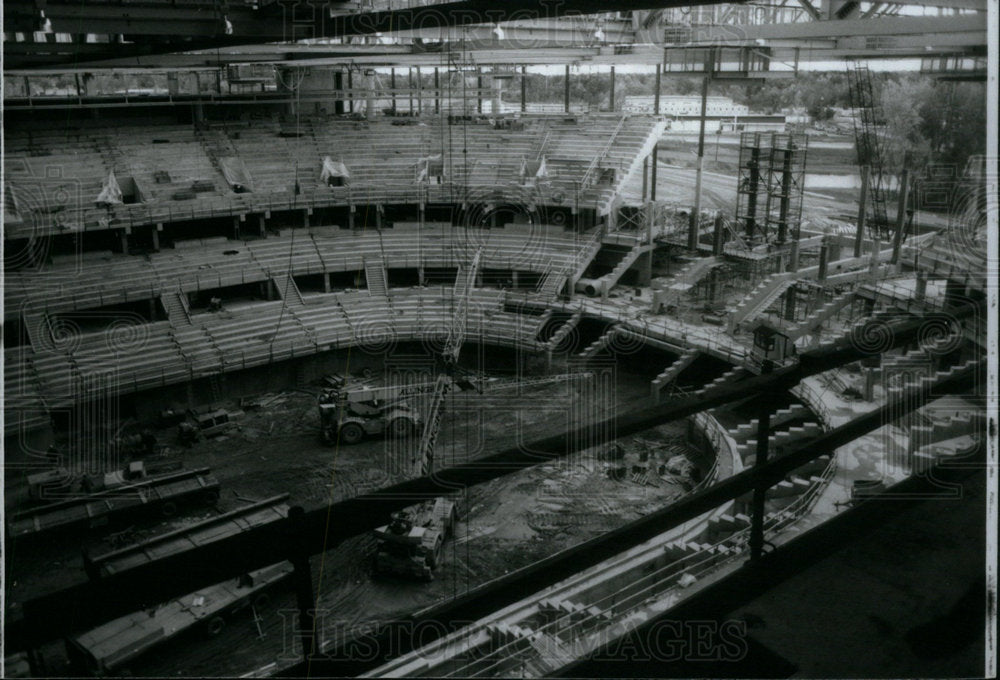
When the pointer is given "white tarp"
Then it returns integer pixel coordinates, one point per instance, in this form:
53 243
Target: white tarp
534 169
334 169
236 174
428 166
111 193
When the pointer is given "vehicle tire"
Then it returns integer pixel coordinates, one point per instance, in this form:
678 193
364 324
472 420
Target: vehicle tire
351 433
400 428
211 497
261 601
215 625
168 509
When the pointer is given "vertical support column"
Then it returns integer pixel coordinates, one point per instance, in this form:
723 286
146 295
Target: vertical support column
437 90
656 159
123 235
824 256
350 90
921 292
262 223
786 188
717 235
897 238
790 300
156 236
497 89
611 91
524 89
645 178
305 597
392 86
696 212
370 95
420 93
566 91
656 92
479 90
236 228
409 87
859 237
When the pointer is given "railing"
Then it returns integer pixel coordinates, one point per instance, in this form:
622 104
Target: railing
586 181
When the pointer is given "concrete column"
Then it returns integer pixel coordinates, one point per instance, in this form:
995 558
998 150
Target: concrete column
350 88
420 275
645 178
656 92
921 292
824 257
392 86
717 236
236 228
479 90
701 159
156 236
566 91
420 93
123 235
370 95
497 91
305 217
350 217
421 215
524 88
378 216
326 281
790 300
262 222
869 392
437 90
793 257
514 278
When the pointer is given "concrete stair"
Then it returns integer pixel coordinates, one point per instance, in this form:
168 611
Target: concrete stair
38 330
597 345
376 279
672 372
176 306
287 290
760 298
821 315
564 330
780 417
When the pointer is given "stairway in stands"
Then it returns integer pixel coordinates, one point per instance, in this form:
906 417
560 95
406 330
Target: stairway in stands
175 304
375 276
287 290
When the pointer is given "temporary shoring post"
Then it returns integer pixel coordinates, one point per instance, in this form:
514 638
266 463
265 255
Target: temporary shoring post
305 596
696 212
897 238
566 91
91 603
859 236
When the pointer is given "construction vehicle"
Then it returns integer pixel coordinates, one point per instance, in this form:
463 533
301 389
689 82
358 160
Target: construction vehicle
107 648
411 545
349 414
200 426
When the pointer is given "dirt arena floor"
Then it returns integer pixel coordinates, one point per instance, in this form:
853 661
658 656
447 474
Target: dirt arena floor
503 525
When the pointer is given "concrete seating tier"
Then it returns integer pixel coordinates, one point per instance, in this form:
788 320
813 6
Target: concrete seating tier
113 279
166 161
159 354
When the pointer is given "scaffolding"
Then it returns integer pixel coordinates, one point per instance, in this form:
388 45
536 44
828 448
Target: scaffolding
869 140
751 190
786 175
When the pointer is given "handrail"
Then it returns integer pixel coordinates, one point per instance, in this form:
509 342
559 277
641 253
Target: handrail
604 152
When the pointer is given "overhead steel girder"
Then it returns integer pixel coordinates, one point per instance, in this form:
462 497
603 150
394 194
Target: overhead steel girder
84 605
296 19
882 26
